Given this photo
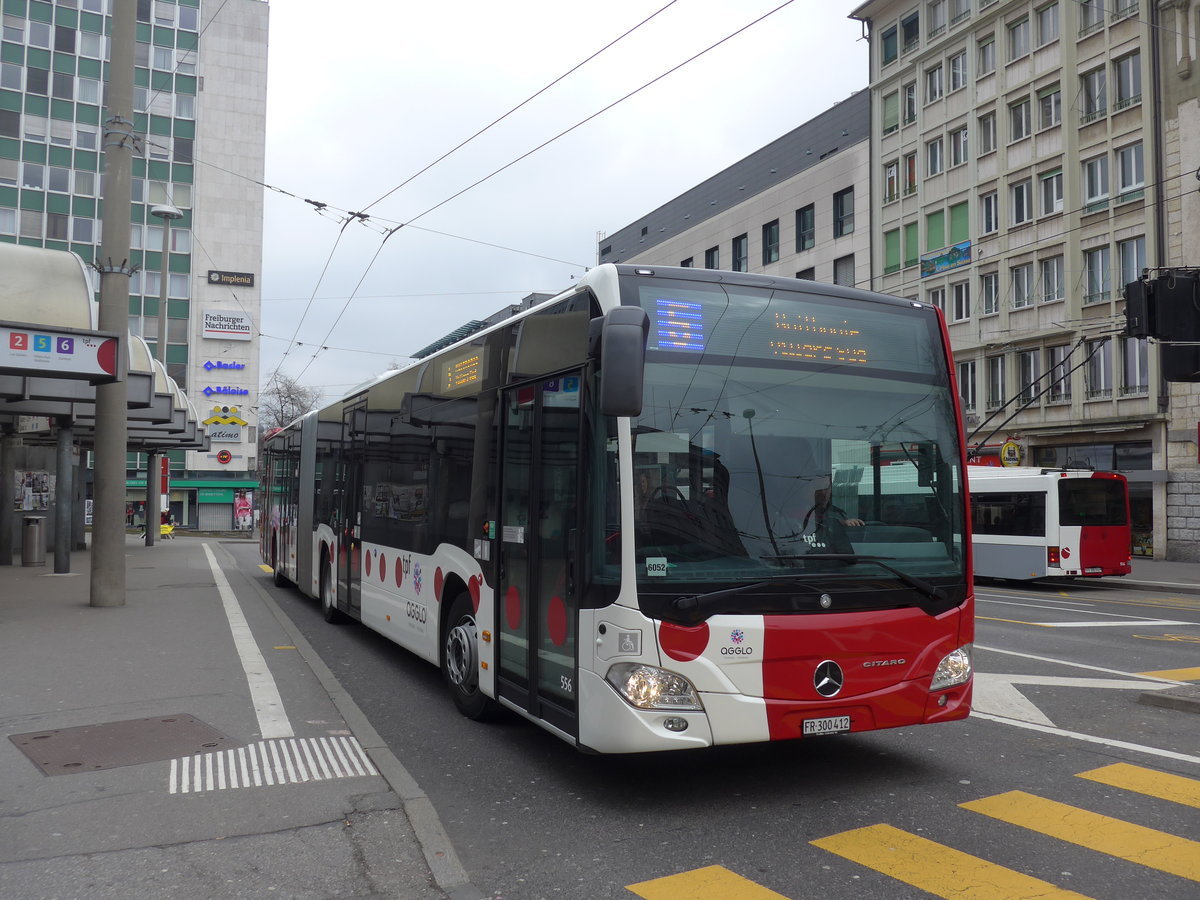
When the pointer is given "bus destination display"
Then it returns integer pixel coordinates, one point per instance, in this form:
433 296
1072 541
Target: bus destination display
461 373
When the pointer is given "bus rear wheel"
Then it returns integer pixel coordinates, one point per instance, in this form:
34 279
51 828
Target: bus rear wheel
460 661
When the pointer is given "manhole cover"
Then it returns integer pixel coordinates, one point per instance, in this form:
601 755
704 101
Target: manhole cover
86 748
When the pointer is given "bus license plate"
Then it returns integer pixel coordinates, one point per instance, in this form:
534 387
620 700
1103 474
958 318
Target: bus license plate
1093 570
829 725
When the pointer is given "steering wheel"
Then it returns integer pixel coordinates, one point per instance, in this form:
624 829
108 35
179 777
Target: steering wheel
661 491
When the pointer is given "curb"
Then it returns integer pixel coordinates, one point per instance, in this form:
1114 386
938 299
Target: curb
439 853
1161 587
1185 698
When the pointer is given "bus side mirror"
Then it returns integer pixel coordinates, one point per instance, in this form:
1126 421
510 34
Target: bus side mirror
623 360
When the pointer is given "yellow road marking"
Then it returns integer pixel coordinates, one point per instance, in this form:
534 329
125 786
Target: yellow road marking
285 647
938 869
1192 674
1162 785
266 568
1012 621
1123 840
709 883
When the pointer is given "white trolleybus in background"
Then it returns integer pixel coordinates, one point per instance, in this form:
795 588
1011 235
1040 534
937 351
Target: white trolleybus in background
1032 523
623 515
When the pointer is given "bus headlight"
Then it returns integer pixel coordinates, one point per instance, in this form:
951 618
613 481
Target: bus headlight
955 668
649 687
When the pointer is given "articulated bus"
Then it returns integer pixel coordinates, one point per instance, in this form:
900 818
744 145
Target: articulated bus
623 514
1030 523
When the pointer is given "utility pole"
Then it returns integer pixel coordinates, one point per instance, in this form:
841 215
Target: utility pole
154 491
108 510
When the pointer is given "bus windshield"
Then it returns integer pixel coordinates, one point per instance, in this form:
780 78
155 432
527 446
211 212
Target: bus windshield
789 434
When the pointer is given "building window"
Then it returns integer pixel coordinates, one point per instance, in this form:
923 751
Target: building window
910 174
889 46
8 219
1093 95
966 385
959 10
891 113
891 251
962 300
987 134
937 17
1047 24
937 297
958 146
1019 121
1018 39
934 86
1022 202
891 181
843 212
912 244
806 228
995 382
1022 285
910 32
741 253
1127 72
1131 177
910 102
1059 367
1097 275
1053 279
770 242
989 209
987 56
934 163
809 274
1135 367
843 270
1091 16
1131 257
712 258
1027 374
958 71
1095 183
1098 370
686 263
1052 192
989 286
1049 107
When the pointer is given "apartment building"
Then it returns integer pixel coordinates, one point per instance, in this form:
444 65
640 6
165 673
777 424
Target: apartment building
1018 181
799 207
199 102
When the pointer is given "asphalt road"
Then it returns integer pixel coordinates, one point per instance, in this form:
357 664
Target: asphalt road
1064 780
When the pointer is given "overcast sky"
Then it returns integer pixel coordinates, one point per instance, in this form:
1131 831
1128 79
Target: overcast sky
365 94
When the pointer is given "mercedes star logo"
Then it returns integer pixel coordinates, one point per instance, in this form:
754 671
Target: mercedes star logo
828 678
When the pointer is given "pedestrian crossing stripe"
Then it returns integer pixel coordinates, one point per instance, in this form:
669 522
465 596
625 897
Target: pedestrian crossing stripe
935 868
1104 834
1162 785
708 883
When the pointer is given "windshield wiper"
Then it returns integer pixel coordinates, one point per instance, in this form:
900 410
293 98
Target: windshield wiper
931 592
700 603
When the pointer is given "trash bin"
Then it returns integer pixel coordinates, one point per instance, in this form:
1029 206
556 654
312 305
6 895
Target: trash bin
33 543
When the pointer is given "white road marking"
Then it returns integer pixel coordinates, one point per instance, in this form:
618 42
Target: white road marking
1090 738
1075 665
1139 622
999 697
323 755
268 705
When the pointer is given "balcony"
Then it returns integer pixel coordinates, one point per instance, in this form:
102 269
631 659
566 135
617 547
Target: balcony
1099 393
1091 29
1125 11
1127 102
1135 390
1089 117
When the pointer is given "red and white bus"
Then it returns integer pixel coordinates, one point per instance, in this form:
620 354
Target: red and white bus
1032 523
623 514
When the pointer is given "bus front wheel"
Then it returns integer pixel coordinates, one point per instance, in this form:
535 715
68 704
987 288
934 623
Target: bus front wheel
460 660
328 607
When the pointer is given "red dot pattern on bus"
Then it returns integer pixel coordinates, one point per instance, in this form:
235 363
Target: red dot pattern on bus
1066 552
683 643
512 607
367 563
473 589
556 620
437 584
382 567
399 573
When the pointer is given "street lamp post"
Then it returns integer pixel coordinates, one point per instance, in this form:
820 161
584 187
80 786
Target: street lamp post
167 214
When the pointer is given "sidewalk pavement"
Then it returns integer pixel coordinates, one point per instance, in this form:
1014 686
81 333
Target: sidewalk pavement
1161 576
142 755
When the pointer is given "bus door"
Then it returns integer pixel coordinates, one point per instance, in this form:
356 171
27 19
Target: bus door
539 514
349 532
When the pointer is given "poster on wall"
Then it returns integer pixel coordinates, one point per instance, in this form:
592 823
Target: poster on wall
34 490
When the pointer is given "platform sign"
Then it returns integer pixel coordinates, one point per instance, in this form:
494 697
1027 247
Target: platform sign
58 353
